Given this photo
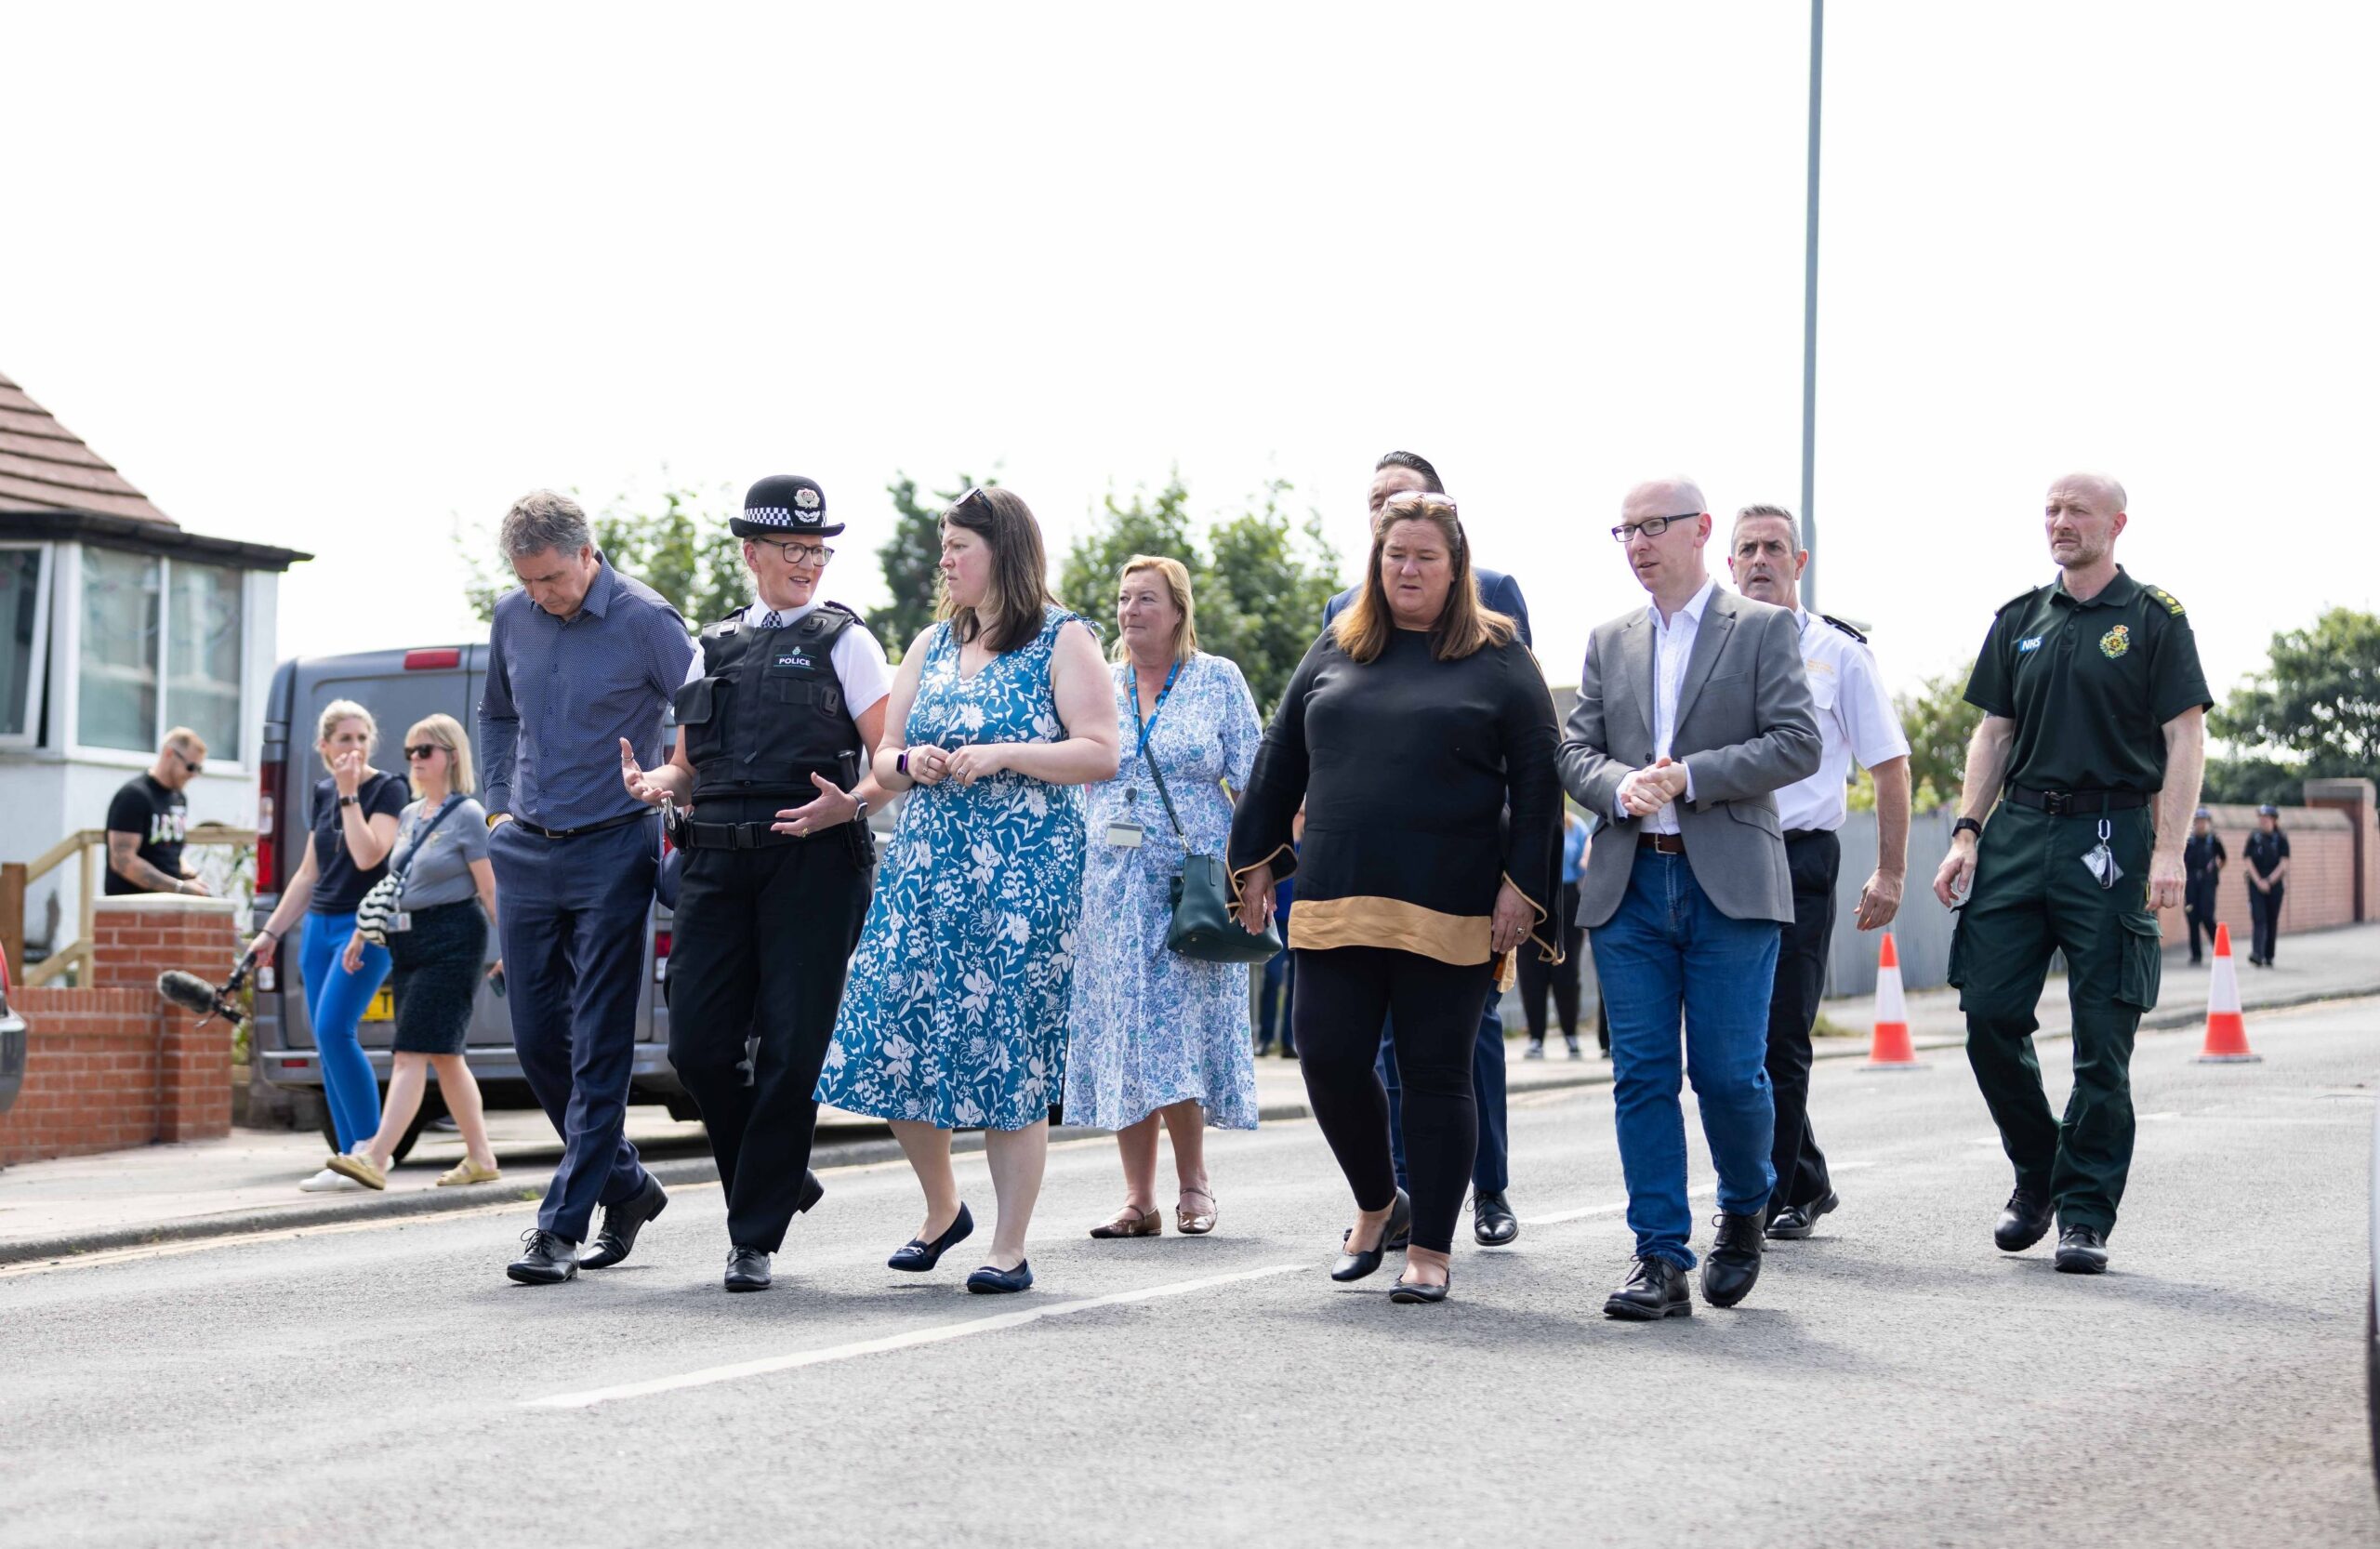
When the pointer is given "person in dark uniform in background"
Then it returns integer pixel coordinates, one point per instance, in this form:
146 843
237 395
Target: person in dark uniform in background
780 711
2267 853
2087 765
2202 860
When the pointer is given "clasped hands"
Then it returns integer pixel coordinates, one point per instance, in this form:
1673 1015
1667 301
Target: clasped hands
1507 927
1645 791
930 765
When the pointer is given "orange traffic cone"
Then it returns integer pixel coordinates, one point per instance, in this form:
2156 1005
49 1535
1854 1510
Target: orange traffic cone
2227 1033
1891 1050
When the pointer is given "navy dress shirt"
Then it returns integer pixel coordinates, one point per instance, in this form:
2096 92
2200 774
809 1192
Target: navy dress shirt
562 691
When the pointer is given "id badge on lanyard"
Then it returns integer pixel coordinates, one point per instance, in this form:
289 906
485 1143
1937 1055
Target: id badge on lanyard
1126 833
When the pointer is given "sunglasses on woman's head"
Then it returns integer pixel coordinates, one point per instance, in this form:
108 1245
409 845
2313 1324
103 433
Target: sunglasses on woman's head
423 750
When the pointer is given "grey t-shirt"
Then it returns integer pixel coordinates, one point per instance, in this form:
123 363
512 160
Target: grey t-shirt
440 871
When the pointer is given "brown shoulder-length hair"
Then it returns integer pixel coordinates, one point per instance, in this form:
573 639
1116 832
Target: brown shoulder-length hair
1466 624
1020 569
1176 576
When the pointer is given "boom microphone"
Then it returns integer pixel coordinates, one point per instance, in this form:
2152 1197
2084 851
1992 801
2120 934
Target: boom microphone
194 994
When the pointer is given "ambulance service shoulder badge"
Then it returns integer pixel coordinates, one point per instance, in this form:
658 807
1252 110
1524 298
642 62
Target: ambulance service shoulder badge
2116 642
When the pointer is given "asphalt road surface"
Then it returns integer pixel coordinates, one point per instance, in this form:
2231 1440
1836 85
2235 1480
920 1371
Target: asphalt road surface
1893 1381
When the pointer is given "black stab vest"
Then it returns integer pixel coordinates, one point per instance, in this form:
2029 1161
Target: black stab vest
768 711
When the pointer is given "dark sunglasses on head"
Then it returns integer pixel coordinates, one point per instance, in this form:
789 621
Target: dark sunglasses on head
975 493
423 750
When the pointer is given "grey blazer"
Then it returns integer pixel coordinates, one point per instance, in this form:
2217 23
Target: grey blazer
1745 729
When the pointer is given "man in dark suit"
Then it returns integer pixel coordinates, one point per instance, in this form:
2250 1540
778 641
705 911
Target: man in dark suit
1492 1222
1692 713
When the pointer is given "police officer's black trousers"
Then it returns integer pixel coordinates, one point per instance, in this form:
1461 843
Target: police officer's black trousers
1814 857
2198 908
762 938
2033 896
2264 920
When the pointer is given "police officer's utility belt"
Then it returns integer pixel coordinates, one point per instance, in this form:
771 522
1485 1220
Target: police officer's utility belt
691 835
2058 803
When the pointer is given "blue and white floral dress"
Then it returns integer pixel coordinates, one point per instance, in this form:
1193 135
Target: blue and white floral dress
956 1010
1151 1028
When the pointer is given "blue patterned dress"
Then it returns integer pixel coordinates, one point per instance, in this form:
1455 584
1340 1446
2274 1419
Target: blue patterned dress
1151 1028
955 1012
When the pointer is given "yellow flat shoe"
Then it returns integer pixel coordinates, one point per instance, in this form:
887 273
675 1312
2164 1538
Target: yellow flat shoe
469 1172
360 1168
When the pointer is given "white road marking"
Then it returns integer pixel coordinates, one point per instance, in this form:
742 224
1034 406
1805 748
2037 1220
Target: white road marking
894 1342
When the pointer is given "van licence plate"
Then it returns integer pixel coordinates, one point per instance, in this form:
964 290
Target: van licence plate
383 1007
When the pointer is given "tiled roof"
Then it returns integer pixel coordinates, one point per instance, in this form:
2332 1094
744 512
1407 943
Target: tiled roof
45 467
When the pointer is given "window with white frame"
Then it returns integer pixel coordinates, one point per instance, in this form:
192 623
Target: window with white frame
116 691
202 623
24 631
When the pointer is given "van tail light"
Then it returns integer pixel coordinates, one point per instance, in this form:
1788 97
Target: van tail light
267 829
660 956
431 660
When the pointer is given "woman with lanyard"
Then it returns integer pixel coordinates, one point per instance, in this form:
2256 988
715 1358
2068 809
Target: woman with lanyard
1155 1038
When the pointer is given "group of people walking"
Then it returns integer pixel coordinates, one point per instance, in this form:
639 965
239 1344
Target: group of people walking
1014 950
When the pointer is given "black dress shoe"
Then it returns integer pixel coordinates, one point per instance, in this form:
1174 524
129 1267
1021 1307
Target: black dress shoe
1353 1265
2023 1222
988 1281
1417 1294
1492 1220
811 1192
622 1221
1796 1222
1655 1289
547 1261
918 1256
2081 1250
748 1269
1732 1266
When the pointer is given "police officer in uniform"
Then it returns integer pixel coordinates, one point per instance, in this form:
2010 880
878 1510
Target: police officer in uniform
780 711
2203 861
2080 783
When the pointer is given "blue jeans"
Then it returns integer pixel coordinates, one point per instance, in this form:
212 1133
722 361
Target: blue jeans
1491 1163
1274 999
1665 952
335 1001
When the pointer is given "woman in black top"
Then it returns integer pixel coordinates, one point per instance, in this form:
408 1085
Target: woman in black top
1419 736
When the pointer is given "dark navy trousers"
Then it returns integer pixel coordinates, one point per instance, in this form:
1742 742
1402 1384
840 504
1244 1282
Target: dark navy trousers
1491 1165
572 914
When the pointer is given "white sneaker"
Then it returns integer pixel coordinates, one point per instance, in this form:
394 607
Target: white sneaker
329 1182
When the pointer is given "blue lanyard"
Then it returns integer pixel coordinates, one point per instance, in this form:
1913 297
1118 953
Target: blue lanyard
1149 726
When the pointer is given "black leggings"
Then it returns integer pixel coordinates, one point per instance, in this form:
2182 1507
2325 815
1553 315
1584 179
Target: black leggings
1344 996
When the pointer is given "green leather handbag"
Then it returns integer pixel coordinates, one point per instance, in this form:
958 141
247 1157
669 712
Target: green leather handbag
1205 926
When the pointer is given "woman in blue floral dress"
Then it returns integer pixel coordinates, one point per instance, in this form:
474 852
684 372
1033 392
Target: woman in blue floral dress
1155 1037
955 1012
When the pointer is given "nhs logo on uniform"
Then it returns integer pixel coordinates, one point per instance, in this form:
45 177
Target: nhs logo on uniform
2032 644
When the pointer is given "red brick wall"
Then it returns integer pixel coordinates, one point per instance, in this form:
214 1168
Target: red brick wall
2321 889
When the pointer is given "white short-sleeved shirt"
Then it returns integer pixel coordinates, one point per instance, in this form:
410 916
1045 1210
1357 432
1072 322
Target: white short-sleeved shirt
1856 720
858 659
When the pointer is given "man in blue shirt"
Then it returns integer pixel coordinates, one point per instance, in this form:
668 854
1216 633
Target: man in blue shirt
581 659
1492 1220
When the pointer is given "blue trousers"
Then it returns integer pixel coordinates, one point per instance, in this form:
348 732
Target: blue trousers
1666 952
335 1001
1274 1000
574 913
1491 1170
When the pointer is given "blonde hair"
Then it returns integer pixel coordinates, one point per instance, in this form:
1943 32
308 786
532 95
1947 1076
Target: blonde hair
447 732
1463 626
346 709
1177 581
185 740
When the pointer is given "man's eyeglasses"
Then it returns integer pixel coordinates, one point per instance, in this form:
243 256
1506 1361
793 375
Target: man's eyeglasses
799 553
423 750
1652 527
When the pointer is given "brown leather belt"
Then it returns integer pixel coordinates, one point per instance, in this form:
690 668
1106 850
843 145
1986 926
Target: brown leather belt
1665 844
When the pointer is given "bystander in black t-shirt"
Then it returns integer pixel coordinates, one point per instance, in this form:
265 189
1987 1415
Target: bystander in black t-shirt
339 886
160 817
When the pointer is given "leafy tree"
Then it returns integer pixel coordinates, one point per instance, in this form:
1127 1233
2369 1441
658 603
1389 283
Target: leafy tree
2313 712
679 546
1939 722
910 559
1086 578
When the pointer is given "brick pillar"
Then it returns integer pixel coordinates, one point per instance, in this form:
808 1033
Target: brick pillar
137 936
2355 798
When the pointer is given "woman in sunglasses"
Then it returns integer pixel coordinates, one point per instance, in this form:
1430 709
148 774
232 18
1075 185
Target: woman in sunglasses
435 945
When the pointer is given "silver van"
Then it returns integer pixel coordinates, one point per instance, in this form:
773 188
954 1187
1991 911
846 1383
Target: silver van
399 688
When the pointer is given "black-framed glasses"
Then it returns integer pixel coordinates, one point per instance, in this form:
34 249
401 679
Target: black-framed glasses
1652 527
799 553
423 750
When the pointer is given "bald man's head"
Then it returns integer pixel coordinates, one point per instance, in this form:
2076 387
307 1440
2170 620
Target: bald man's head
1672 495
1667 562
2083 515
2098 488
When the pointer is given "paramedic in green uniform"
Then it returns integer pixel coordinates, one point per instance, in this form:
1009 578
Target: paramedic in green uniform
2080 786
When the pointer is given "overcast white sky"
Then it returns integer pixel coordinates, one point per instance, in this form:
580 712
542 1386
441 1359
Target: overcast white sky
331 277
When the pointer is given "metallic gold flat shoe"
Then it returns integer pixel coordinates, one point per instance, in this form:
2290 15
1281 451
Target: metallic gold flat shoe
359 1168
469 1172
1129 1222
1190 1223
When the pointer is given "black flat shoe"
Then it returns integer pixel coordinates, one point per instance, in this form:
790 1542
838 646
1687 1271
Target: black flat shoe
1796 1222
918 1256
2081 1250
1492 1220
1655 1289
748 1269
2023 1221
988 1281
1732 1267
547 1261
622 1221
811 1192
1353 1265
1415 1293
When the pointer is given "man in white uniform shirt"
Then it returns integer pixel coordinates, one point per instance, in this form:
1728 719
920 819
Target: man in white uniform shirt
1856 721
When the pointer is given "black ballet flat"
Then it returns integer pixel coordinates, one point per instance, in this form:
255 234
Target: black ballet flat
1414 1293
1354 1265
988 1281
918 1256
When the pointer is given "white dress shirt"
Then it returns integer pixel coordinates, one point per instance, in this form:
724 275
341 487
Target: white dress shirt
1673 647
859 658
1856 720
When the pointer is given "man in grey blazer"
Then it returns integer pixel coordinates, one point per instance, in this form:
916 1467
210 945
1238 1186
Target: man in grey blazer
1691 712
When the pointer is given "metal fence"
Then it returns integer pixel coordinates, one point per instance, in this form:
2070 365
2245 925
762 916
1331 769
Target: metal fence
1922 933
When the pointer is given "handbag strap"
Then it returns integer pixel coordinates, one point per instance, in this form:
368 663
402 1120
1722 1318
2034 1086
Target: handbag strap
1166 797
403 864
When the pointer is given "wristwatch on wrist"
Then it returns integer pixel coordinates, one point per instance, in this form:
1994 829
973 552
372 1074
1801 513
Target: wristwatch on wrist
901 764
355 800
861 815
1966 826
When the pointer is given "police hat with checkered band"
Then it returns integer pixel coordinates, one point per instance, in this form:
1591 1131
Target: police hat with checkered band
784 506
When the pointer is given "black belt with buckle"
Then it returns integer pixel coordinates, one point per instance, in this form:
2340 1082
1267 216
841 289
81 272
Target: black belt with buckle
691 835
2061 803
620 822
1665 844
